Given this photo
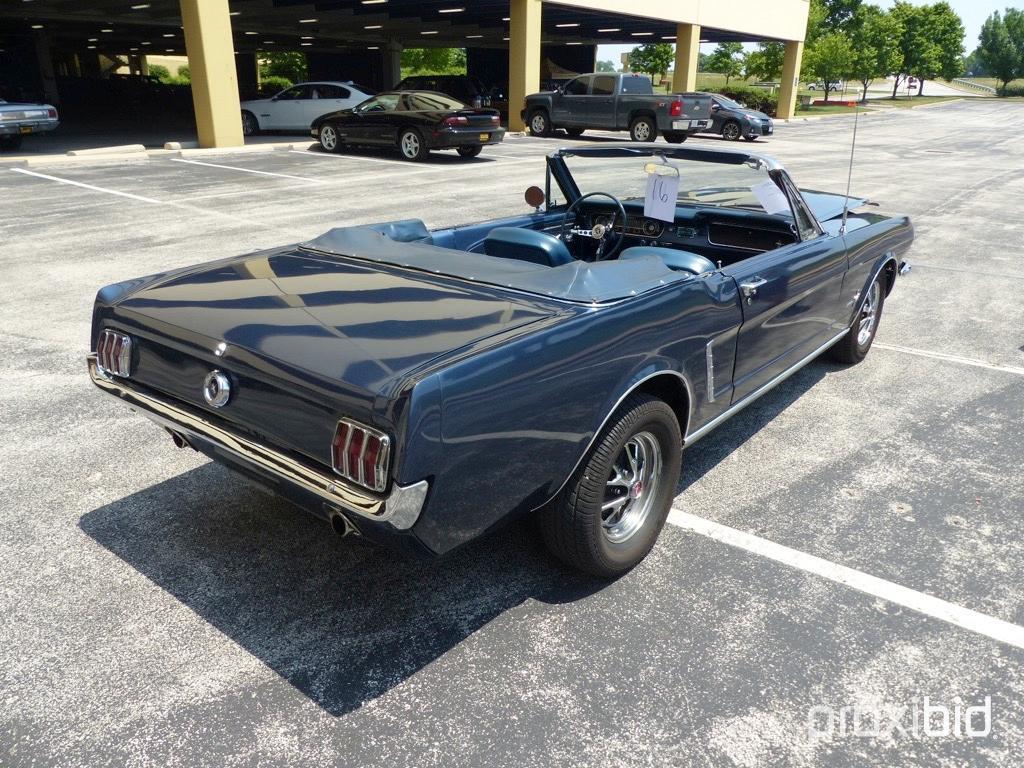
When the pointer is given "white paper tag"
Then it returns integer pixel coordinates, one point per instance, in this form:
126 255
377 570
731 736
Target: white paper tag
770 197
661 197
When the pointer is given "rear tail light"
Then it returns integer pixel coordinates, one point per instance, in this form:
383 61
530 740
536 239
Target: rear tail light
495 120
453 122
676 110
51 113
361 454
114 354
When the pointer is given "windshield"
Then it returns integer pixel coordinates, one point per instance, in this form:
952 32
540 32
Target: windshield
706 183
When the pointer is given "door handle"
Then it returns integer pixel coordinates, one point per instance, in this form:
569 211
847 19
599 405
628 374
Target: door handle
749 287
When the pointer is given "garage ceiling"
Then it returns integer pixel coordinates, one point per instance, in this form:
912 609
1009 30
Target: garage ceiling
121 26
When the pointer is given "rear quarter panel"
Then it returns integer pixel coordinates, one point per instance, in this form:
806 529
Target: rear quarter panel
872 240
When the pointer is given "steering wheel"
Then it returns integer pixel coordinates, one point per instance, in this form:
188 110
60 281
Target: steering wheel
608 242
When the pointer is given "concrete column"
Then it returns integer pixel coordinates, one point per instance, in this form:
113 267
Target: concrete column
523 56
211 59
47 75
392 72
790 85
143 65
687 51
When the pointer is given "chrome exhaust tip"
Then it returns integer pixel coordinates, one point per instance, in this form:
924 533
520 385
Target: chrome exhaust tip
342 525
904 268
179 439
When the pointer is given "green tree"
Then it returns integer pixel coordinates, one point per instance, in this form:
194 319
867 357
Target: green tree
163 74
184 75
651 59
727 59
765 63
606 66
973 65
931 44
1014 20
840 15
291 65
874 37
997 52
434 61
830 60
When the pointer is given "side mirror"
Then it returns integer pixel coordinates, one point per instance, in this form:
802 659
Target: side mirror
715 107
535 197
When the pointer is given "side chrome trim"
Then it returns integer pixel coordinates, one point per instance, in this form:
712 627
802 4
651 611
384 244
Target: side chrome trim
401 508
615 407
737 407
709 359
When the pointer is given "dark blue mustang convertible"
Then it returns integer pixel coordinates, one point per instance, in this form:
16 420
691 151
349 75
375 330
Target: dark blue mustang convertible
420 387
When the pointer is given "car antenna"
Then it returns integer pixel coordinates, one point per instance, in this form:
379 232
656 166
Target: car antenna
849 175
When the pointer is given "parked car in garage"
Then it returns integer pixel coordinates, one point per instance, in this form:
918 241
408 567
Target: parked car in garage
617 102
466 88
419 387
414 122
20 120
733 121
295 108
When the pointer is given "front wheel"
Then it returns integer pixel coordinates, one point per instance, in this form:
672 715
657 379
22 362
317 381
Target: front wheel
856 344
609 514
470 151
540 125
731 131
250 125
675 137
328 138
643 129
411 145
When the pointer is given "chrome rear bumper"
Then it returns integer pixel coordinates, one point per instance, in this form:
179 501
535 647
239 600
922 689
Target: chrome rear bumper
399 509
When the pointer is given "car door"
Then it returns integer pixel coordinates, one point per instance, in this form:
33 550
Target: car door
288 109
601 113
569 107
791 299
373 122
325 98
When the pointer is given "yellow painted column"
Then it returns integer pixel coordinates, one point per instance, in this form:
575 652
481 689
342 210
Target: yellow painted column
211 59
687 50
523 57
790 85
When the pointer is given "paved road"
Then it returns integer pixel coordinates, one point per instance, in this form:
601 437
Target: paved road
157 611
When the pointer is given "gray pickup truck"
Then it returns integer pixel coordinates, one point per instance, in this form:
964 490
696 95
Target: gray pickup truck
617 102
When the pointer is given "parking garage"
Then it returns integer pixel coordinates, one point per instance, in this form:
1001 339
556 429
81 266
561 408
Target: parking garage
61 53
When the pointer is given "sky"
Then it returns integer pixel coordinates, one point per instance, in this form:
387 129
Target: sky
973 13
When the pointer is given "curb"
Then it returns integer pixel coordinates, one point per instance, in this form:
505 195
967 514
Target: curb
116 150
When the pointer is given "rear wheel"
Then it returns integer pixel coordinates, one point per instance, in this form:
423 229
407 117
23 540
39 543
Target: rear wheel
329 138
611 511
731 131
250 125
411 145
575 132
540 123
675 137
470 151
856 344
643 129
10 143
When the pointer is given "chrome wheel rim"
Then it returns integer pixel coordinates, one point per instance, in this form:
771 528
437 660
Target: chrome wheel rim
410 144
732 131
538 124
328 138
868 315
642 131
632 487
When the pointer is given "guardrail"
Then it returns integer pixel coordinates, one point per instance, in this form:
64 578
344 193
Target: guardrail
973 85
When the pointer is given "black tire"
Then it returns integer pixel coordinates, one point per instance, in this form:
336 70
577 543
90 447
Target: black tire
540 123
10 143
732 131
854 347
643 129
575 527
412 146
575 133
328 138
473 151
250 125
675 137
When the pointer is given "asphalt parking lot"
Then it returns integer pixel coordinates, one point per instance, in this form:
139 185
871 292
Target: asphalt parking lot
854 539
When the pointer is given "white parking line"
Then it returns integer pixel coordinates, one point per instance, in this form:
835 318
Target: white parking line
361 158
965 618
953 359
246 170
59 180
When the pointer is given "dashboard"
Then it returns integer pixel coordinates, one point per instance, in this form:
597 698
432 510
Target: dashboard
715 233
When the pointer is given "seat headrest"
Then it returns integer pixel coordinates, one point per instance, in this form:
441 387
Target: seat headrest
527 245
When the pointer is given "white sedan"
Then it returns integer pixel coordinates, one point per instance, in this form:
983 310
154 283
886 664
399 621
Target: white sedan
295 108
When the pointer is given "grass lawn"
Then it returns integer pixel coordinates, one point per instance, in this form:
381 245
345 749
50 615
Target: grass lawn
916 101
831 109
991 82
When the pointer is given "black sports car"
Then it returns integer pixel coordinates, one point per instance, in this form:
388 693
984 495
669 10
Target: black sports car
413 121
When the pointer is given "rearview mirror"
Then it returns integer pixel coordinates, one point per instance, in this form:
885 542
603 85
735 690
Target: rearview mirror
534 197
